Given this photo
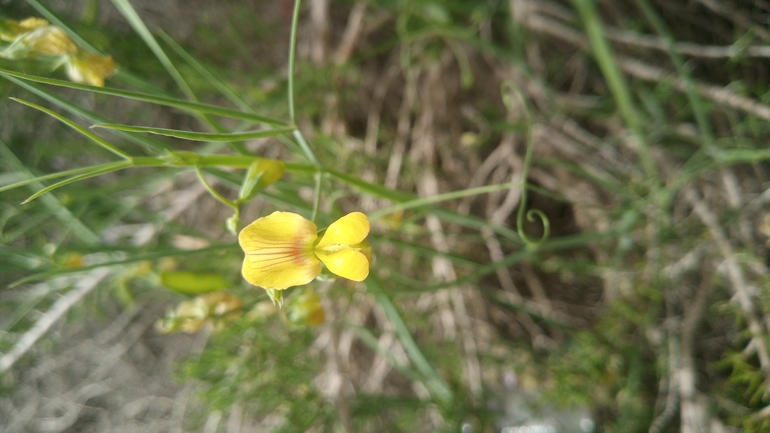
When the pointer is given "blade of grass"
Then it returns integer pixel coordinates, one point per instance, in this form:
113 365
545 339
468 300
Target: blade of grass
147 143
192 107
154 255
606 60
113 167
124 6
197 136
425 201
696 102
372 188
30 224
128 12
434 383
73 172
95 138
424 251
52 203
292 58
370 340
400 196
303 144
556 244
205 73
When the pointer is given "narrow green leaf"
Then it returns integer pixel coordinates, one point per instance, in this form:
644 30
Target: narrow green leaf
192 107
372 188
73 172
113 167
125 8
605 58
205 73
370 340
153 255
425 201
146 142
198 136
81 231
556 244
95 138
400 197
434 383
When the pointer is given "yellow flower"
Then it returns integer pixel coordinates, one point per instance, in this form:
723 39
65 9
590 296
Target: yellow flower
49 41
34 37
10 29
216 308
90 68
283 250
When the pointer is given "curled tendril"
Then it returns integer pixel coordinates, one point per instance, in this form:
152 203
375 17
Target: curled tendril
507 89
531 218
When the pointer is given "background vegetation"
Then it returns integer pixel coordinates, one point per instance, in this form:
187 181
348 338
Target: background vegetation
636 131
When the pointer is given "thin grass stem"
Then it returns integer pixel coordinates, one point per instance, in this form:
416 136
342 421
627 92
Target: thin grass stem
616 82
292 56
95 138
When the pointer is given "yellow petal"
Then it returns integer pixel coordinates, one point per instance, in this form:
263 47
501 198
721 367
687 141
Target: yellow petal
279 251
10 29
348 230
32 23
49 41
90 68
347 263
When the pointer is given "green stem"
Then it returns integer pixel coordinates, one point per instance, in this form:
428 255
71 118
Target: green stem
292 60
698 108
303 144
214 192
606 60
318 177
95 138
525 174
292 54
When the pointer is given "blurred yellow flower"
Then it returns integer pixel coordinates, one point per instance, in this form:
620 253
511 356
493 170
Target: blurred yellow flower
90 68
10 29
49 41
217 308
36 37
283 250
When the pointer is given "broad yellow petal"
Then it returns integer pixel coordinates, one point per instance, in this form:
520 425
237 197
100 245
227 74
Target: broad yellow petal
279 273
348 230
347 263
279 251
278 228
